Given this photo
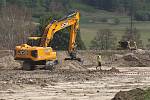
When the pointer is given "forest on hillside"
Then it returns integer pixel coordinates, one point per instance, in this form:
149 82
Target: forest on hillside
45 7
22 16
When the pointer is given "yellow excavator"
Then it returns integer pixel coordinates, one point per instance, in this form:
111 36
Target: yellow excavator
40 53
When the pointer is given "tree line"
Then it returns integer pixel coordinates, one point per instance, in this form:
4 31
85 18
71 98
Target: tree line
17 17
17 24
45 7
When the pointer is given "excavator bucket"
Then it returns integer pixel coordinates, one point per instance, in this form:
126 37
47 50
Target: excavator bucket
78 59
73 57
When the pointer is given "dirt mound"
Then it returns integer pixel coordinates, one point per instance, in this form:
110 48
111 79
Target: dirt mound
139 58
135 94
113 69
86 57
8 62
130 57
134 59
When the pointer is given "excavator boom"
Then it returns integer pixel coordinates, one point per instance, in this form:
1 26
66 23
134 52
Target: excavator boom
71 20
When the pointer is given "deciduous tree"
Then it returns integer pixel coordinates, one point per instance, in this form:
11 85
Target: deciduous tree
133 35
103 40
15 26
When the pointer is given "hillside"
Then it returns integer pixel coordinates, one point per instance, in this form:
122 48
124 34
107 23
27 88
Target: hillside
91 23
96 15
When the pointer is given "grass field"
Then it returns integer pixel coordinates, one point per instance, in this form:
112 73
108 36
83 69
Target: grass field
91 23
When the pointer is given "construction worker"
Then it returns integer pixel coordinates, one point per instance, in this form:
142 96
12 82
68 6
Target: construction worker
99 61
135 46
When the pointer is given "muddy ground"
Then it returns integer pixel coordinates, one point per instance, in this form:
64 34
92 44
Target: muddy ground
72 80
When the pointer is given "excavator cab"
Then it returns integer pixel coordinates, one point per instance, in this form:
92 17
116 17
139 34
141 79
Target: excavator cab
34 41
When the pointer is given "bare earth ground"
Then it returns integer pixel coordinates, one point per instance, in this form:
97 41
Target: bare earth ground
72 80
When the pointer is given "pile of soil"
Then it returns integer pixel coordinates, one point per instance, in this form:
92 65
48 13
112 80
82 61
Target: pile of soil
8 62
138 58
133 59
135 94
87 59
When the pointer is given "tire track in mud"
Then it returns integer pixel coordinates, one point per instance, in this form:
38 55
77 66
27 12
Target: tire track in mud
103 87
72 83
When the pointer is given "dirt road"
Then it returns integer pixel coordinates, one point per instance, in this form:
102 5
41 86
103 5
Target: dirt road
45 85
70 81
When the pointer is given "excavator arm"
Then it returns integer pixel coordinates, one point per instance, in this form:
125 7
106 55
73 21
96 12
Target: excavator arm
70 20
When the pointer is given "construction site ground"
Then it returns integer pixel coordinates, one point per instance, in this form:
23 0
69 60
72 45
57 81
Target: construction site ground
73 80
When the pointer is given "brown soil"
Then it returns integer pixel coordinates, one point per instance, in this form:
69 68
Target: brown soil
71 80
